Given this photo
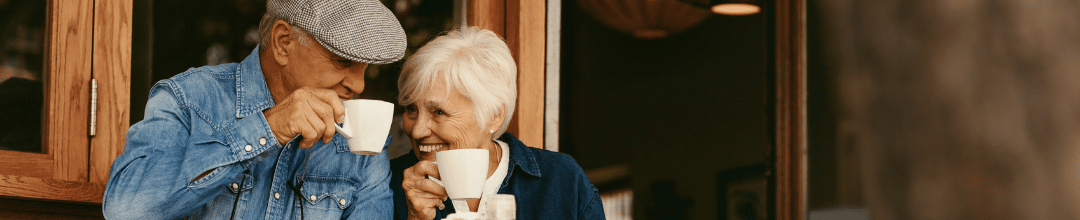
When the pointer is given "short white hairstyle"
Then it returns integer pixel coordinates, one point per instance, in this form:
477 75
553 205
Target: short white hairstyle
472 61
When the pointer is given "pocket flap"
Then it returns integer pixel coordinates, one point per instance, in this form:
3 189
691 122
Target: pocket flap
337 190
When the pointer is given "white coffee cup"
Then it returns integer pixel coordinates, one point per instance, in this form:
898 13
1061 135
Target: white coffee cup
463 216
463 172
367 124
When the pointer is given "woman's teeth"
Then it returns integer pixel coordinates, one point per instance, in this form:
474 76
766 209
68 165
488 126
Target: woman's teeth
430 148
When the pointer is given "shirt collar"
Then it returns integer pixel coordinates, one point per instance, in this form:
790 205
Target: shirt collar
252 94
521 156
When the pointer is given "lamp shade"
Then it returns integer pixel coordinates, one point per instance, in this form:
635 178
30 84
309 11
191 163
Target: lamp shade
735 7
645 19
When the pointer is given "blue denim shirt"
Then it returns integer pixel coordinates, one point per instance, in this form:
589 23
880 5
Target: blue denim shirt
211 119
545 184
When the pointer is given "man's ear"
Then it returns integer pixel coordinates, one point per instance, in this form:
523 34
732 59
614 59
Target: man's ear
282 42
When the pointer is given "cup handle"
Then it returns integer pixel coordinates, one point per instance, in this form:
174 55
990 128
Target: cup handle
343 129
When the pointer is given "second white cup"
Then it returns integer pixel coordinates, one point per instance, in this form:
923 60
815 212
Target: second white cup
463 172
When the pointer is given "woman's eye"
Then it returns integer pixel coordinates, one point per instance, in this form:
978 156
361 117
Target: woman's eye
440 112
410 108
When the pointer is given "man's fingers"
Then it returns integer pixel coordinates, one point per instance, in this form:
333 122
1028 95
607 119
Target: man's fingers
339 112
332 100
325 116
310 134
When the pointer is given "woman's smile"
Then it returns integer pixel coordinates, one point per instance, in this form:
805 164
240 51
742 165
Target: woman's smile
427 148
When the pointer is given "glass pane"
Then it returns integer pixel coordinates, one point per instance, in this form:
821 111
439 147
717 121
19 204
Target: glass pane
22 40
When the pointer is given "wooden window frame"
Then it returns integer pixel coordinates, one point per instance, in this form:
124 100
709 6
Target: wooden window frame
789 140
84 40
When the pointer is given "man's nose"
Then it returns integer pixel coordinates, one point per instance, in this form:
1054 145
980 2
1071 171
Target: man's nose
354 81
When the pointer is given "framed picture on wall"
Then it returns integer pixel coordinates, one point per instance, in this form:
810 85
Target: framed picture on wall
742 193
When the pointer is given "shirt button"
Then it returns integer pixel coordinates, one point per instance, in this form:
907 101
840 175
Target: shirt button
277 196
342 201
247 148
262 141
235 186
312 198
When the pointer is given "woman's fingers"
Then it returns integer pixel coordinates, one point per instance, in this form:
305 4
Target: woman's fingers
427 168
431 187
415 178
422 204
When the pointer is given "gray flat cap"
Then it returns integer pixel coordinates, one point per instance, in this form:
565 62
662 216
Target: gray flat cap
359 30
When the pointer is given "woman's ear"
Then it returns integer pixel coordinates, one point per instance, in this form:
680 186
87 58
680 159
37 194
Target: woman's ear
497 122
281 42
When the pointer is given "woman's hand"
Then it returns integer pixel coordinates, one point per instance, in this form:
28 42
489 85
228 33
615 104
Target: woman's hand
423 195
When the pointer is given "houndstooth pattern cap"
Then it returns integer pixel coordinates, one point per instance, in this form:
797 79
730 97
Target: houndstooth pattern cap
359 30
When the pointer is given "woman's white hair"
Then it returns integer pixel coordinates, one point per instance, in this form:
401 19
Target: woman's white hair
472 61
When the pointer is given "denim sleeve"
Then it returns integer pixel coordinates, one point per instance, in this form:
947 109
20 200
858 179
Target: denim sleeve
163 154
374 199
593 207
590 206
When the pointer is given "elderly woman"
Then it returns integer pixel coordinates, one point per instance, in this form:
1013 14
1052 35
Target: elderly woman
459 92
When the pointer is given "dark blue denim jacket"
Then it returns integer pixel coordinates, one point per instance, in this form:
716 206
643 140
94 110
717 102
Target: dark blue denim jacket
545 184
210 119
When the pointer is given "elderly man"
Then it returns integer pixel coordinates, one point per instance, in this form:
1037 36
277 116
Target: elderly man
255 139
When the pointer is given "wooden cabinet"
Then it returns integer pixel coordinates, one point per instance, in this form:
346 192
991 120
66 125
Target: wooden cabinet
85 41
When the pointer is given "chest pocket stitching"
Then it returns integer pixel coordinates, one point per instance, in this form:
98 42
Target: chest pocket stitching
336 188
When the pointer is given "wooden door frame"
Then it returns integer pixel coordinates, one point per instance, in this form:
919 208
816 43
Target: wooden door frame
523 24
788 134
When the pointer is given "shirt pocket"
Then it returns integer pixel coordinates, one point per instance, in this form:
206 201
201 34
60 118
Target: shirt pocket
326 197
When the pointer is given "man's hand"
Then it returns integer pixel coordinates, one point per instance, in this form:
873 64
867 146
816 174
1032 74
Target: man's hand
422 194
308 112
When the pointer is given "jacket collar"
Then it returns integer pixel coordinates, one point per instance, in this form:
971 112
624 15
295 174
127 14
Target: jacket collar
252 94
521 156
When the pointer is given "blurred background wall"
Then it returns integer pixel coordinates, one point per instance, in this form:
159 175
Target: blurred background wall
951 109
